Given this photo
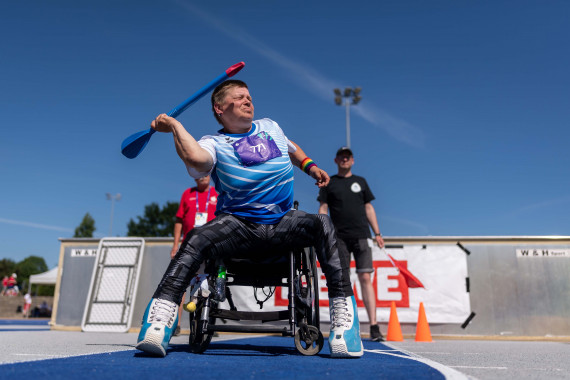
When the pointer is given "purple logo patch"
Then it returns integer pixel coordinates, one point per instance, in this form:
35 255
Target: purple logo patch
256 149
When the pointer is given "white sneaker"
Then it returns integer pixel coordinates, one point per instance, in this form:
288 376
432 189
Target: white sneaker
344 337
159 322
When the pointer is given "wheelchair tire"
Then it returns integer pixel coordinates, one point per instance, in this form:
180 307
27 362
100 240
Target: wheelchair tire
312 313
315 317
199 339
309 342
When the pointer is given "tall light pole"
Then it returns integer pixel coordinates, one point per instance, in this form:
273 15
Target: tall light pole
112 198
351 98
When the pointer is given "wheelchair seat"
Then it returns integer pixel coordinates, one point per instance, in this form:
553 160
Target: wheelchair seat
295 270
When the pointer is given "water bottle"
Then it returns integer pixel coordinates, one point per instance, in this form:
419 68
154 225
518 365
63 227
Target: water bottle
220 294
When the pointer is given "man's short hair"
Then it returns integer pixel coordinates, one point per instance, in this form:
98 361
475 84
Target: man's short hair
344 149
220 93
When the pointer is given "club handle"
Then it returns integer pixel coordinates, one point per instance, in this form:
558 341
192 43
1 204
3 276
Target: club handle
231 71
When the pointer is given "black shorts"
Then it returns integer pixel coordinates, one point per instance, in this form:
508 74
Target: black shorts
361 251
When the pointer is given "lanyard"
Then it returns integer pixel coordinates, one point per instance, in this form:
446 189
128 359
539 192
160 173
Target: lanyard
207 200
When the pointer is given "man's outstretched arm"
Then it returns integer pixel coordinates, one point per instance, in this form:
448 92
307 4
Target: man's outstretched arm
300 159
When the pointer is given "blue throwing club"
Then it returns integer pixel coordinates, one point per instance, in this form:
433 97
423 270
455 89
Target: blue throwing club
133 145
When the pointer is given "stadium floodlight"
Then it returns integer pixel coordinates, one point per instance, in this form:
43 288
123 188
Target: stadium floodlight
112 198
351 97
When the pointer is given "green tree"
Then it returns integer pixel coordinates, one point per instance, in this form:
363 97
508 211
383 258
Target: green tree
156 221
25 268
86 228
7 267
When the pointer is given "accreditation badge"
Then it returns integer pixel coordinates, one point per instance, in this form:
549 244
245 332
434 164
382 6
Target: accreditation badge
201 219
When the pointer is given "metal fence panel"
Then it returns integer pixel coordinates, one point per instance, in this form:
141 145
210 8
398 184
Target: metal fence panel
114 285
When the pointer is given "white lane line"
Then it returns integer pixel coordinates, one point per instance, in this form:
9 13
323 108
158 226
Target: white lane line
475 367
42 355
387 352
447 372
545 369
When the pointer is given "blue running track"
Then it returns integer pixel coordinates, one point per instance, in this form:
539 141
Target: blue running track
24 325
267 357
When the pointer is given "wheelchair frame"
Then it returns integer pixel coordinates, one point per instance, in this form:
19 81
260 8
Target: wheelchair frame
302 312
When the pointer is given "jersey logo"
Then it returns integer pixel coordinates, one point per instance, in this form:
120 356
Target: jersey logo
355 187
256 149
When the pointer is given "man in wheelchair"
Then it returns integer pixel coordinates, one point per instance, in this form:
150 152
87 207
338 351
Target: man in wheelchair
251 164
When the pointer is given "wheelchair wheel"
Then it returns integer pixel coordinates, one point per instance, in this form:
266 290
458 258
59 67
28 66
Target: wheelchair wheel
315 310
309 340
199 337
310 314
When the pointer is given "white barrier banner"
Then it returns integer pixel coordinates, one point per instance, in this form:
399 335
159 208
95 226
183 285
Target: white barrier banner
543 253
442 269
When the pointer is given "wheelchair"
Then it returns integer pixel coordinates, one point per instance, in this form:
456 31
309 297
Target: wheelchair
295 270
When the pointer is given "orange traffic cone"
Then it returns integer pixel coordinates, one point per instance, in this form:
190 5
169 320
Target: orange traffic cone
394 329
422 329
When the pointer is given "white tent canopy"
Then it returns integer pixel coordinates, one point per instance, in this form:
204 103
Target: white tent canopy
46 278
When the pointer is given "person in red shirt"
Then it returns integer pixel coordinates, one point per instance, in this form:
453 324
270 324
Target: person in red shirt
197 207
4 284
12 288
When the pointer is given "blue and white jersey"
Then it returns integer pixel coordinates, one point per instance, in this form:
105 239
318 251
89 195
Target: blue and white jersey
261 192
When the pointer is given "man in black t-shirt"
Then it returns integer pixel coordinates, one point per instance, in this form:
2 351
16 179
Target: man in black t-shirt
348 198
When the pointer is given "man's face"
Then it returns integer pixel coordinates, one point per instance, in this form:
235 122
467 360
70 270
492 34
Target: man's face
344 161
237 108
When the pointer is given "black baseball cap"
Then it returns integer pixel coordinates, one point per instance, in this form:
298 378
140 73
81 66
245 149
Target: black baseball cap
344 149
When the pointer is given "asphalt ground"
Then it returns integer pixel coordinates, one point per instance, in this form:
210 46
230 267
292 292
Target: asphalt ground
29 349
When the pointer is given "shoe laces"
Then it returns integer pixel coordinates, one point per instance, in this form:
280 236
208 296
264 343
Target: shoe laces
340 317
163 311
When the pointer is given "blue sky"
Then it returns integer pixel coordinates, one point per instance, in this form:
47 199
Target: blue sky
463 127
